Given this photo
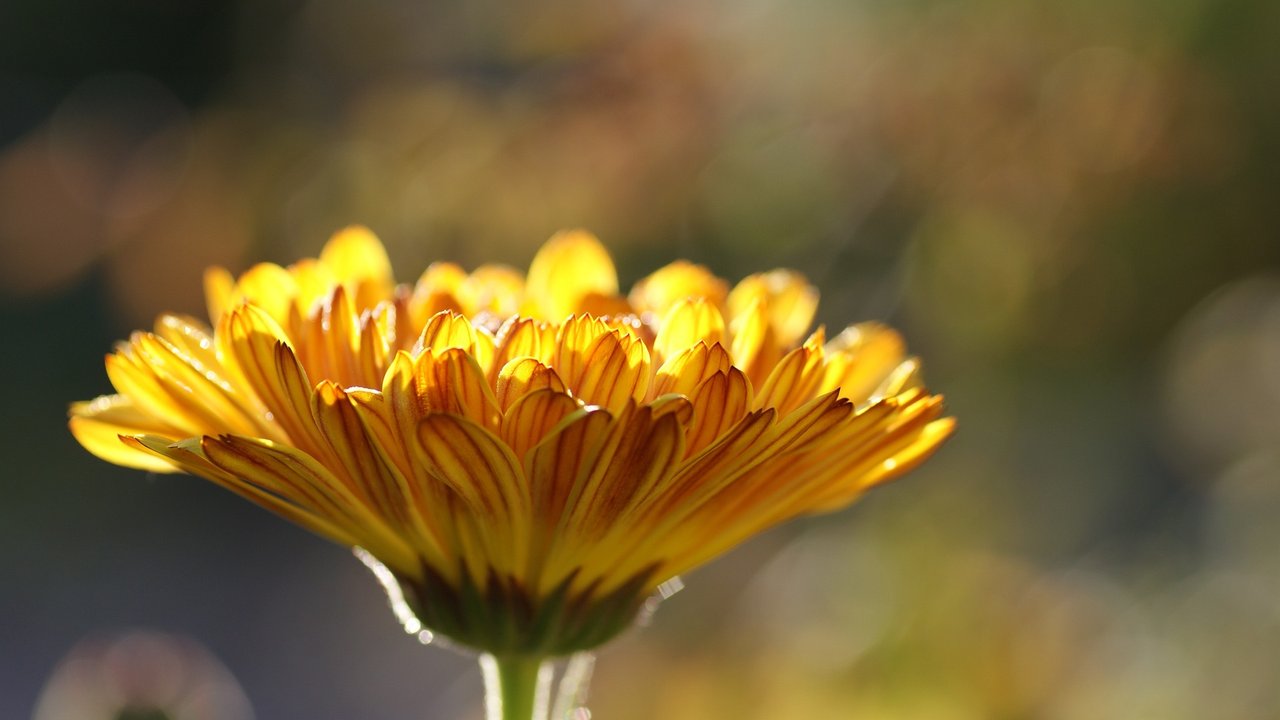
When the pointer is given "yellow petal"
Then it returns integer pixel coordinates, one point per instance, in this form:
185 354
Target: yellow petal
755 347
268 286
98 424
522 376
556 462
254 346
533 416
904 377
574 340
351 449
486 474
789 299
719 464
400 393
208 394
132 380
554 468
452 382
630 457
720 402
377 337
357 258
684 372
614 371
604 306
569 267
300 479
737 453
641 452
315 281
332 344
906 457
192 337
861 358
437 289
686 324
793 381
604 519
523 337
219 290
493 288
676 405
446 329
680 280
879 444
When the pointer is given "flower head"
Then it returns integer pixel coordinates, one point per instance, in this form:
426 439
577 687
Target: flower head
529 456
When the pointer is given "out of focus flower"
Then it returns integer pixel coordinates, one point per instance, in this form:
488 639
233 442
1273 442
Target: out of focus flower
141 675
530 456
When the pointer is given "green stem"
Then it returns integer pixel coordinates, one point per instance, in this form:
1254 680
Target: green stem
516 687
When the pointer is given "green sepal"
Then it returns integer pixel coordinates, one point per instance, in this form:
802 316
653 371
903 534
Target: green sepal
504 618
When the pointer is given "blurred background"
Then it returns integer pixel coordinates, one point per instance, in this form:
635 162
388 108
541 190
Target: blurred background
1070 209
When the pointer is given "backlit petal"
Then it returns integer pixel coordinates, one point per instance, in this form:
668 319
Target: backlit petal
686 324
357 259
789 299
530 456
570 266
861 358
98 425
680 280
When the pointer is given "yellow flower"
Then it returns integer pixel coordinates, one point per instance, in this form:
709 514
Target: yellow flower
529 456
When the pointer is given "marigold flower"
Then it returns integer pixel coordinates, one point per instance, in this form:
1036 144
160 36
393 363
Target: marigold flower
529 456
